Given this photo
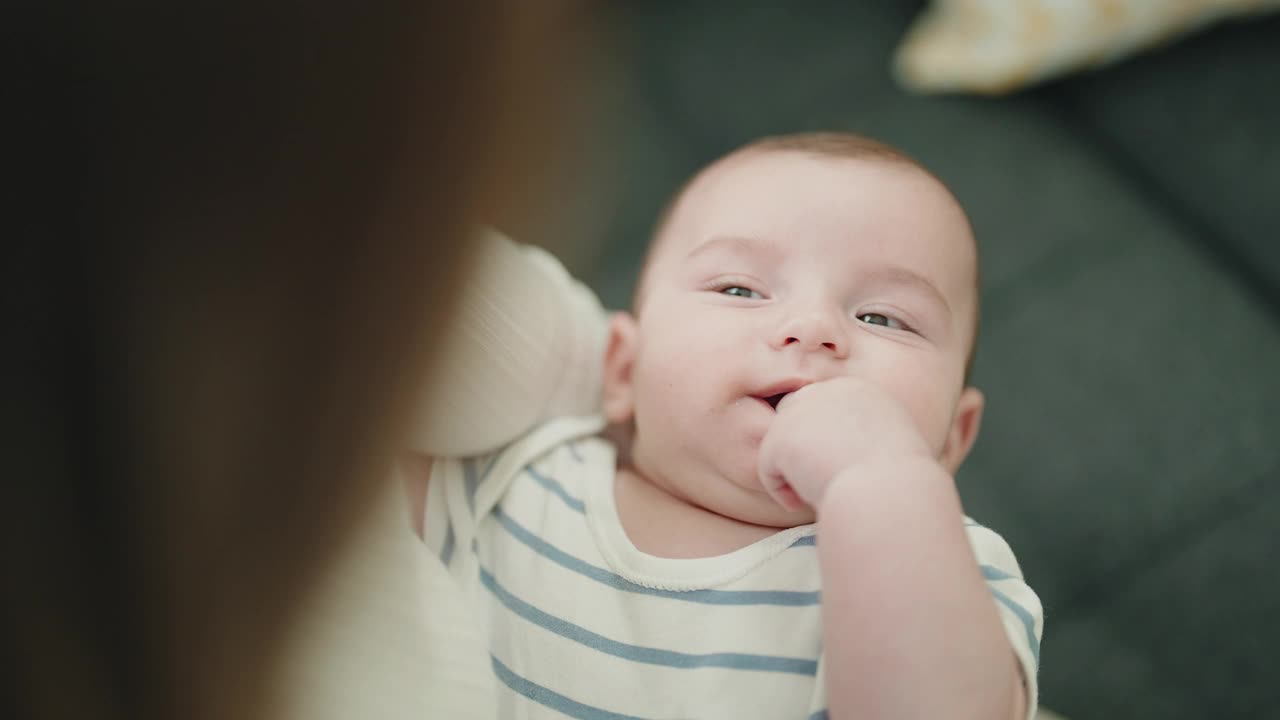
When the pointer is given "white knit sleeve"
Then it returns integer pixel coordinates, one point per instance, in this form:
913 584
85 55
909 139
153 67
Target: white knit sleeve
526 344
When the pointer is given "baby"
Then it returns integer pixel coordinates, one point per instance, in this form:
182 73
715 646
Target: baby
771 528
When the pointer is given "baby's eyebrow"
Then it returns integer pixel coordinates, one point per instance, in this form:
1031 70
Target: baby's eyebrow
906 277
734 244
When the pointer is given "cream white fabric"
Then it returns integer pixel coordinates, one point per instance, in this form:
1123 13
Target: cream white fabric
387 636
581 623
527 344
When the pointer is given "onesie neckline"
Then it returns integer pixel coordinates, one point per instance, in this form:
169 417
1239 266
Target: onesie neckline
630 562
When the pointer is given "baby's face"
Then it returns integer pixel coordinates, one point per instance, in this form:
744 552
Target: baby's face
778 268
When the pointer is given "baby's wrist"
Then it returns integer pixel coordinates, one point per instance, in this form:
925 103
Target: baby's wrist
869 473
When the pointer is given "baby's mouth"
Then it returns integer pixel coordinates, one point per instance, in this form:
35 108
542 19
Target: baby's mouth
774 394
773 400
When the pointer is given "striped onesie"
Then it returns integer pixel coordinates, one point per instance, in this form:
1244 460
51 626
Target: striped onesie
581 624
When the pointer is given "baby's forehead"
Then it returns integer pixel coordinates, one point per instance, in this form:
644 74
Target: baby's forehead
785 194
787 182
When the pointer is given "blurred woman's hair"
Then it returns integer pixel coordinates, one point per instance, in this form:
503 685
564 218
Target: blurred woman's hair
238 235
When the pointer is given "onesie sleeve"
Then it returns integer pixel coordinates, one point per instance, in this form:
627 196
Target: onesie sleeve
1019 606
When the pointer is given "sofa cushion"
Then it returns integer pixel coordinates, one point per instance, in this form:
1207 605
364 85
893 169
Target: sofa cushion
996 48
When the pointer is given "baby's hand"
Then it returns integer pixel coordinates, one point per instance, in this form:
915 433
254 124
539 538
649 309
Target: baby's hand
827 427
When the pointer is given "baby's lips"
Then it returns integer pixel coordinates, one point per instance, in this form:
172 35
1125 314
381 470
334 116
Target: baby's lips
778 392
786 398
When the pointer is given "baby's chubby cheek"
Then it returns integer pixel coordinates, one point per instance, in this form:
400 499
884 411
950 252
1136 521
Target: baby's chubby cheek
664 397
924 390
931 414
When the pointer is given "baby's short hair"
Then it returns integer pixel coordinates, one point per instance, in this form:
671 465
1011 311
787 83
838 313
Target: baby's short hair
847 145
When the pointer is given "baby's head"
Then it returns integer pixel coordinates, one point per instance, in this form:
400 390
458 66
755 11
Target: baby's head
794 259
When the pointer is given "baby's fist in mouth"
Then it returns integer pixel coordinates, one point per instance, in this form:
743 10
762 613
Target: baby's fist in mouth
827 427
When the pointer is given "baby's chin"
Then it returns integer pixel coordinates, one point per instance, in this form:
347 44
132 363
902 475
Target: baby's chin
746 501
724 483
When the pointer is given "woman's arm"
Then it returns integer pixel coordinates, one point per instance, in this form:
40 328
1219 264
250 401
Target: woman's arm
527 343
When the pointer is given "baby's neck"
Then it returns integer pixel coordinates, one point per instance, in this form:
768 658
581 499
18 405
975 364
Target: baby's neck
662 524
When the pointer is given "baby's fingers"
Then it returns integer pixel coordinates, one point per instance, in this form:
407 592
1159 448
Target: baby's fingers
778 488
772 478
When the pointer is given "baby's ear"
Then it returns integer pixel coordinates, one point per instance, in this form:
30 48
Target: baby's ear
619 359
964 429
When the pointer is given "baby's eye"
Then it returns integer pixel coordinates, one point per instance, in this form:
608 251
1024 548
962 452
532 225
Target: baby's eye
742 292
884 320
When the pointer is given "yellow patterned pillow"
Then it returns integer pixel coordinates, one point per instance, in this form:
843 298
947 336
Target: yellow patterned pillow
996 46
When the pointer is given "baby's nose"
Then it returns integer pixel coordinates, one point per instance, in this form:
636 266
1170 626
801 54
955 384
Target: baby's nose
814 332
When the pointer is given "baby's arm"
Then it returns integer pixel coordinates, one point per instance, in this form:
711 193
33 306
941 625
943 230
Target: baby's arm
911 628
